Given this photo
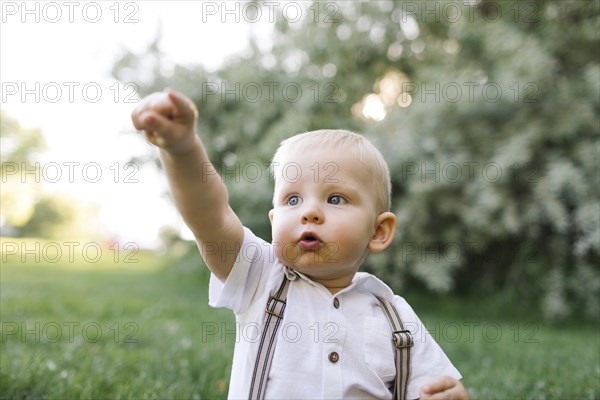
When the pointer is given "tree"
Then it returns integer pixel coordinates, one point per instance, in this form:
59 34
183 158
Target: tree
19 151
26 209
513 199
487 113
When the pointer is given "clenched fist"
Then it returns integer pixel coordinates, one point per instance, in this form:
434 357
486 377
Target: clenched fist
444 387
168 120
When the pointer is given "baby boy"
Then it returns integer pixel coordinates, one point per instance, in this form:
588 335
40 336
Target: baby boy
331 208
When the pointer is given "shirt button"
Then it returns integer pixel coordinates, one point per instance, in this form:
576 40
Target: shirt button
334 357
336 303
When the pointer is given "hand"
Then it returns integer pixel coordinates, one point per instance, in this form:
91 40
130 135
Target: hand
444 387
168 120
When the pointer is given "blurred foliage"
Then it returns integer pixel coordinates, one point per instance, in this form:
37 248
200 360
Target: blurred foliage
19 144
487 113
19 150
61 216
26 208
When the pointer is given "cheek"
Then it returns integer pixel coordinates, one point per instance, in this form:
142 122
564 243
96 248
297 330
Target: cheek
352 238
279 228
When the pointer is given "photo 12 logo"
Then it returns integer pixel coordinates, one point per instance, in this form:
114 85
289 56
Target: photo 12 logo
475 331
453 12
470 91
253 12
271 92
69 171
70 331
53 12
69 252
70 92
251 332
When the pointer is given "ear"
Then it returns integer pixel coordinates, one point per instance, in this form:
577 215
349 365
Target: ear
384 232
271 212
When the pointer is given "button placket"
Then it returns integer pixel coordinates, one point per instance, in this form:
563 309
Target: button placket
333 337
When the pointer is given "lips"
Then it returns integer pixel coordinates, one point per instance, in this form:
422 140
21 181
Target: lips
309 241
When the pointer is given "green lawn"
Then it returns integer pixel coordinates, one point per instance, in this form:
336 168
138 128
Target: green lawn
502 358
74 329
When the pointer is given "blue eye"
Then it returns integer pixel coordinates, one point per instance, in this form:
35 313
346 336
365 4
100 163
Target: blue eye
293 201
336 200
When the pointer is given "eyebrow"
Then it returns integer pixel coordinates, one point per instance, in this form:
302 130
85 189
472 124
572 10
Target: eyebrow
349 189
335 183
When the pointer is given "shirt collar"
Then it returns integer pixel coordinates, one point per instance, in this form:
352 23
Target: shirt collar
291 274
361 281
373 285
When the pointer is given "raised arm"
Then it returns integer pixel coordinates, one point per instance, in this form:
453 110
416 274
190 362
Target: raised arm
168 121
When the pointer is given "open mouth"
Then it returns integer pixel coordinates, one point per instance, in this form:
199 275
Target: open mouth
309 241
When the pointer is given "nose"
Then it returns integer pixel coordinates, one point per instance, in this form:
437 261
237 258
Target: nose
311 213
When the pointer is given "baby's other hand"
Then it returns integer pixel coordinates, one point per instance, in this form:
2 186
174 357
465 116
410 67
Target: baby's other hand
444 387
168 120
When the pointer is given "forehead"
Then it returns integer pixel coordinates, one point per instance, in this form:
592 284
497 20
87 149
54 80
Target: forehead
322 165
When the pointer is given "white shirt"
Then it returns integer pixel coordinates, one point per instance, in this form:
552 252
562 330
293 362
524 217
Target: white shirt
313 328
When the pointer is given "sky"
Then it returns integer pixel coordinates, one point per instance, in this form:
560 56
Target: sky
55 62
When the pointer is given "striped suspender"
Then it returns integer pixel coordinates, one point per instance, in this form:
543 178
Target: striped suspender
403 341
268 339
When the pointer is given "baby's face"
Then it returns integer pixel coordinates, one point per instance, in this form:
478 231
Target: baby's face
324 214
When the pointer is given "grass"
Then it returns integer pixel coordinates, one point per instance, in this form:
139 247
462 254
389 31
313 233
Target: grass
83 331
504 358
111 330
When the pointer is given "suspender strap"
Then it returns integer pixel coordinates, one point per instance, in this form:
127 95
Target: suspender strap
403 341
266 348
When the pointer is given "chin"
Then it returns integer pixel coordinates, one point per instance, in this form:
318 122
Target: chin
306 268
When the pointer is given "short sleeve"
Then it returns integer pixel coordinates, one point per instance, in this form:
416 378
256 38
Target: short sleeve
249 276
427 359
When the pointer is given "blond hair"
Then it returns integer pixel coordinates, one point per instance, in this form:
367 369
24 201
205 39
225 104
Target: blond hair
356 144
